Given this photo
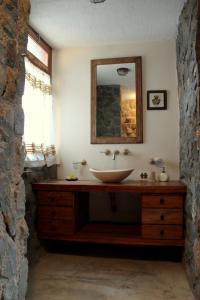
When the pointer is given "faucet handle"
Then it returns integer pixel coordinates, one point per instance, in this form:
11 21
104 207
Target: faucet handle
126 152
83 163
106 152
116 152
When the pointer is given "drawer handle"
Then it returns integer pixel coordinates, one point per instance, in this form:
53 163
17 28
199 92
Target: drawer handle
52 199
53 213
162 233
162 217
162 200
53 227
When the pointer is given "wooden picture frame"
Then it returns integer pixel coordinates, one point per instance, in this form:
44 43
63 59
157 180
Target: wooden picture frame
157 100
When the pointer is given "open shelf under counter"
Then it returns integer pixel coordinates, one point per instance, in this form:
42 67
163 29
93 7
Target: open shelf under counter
120 234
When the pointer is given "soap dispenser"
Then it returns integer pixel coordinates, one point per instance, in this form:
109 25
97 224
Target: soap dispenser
163 175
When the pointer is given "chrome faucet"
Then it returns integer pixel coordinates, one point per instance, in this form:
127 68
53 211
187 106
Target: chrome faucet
116 152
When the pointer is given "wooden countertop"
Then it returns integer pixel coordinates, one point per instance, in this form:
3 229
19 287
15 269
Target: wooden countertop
125 186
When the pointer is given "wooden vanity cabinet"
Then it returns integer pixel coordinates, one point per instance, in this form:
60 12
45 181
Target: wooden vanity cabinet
63 213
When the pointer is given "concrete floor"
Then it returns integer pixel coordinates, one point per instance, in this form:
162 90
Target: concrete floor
75 277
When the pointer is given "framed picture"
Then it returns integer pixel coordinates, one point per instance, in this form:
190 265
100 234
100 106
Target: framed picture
157 100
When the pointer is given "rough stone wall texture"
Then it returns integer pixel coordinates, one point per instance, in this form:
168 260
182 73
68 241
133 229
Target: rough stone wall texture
13 228
108 110
31 176
188 54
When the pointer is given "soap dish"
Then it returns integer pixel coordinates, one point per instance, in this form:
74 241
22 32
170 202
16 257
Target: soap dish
71 178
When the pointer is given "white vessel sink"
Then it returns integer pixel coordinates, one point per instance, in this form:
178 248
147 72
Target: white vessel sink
111 175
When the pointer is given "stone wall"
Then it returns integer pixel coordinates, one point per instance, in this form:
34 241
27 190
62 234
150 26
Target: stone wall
108 110
188 51
13 228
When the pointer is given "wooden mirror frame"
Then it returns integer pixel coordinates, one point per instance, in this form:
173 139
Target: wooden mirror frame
139 108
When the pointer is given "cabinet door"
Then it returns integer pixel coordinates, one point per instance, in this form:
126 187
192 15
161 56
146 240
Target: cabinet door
162 232
162 216
56 198
162 201
55 228
54 212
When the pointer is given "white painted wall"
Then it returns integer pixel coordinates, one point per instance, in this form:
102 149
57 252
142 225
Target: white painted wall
71 80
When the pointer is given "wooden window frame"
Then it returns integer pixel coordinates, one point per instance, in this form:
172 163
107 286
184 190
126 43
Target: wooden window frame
36 37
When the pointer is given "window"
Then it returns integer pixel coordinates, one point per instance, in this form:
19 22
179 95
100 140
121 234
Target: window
37 103
39 52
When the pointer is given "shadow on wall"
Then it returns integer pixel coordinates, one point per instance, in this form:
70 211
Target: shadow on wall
30 176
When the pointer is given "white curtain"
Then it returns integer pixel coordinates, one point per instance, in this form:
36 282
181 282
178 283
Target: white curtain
37 103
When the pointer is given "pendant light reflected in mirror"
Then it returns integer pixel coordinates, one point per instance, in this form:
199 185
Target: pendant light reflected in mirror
123 71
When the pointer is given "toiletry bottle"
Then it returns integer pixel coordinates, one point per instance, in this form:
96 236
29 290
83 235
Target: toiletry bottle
152 177
163 175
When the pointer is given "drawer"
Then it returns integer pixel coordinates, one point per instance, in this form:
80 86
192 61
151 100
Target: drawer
65 213
162 201
55 227
162 232
162 216
55 198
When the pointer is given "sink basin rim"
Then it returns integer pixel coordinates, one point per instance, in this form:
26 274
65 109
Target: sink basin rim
114 176
110 170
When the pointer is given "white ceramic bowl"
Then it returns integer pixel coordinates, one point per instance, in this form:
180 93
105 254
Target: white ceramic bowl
111 175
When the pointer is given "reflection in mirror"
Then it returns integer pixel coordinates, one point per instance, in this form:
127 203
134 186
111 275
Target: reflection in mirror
116 101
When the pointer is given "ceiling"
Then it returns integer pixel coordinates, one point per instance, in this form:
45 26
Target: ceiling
107 75
77 23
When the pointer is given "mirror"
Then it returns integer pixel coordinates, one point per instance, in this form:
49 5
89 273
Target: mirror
116 100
